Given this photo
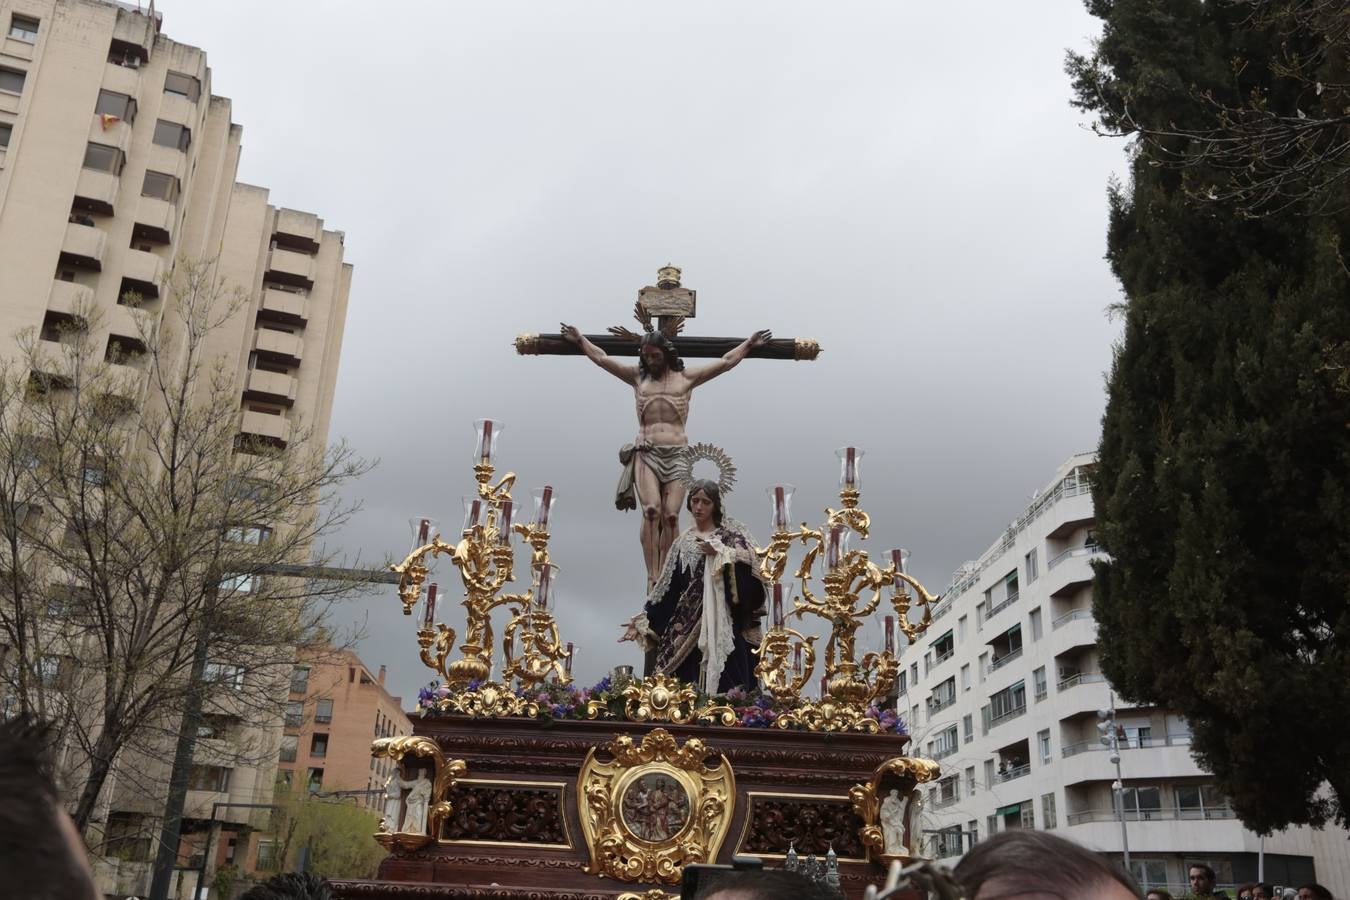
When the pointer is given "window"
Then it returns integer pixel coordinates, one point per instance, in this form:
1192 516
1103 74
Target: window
943 647
289 745
965 677
944 695
1140 803
984 666
323 712
1043 741
991 824
900 686
220 673
989 773
11 80
295 713
242 584
111 103
1048 818
248 534
1028 815
968 727
209 778
914 715
214 726
949 789
103 158
268 860
1036 624
970 779
49 670
1008 703
318 745
1201 801
23 28
973 832
6 131
1150 873
283 783
1010 583
315 780
161 186
979 611
1032 566
945 744
183 85
1041 687
961 629
299 679
914 674
171 134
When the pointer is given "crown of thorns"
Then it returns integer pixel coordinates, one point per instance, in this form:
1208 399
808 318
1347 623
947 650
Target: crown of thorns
726 469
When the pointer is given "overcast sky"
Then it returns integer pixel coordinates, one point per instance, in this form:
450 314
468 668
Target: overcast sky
904 182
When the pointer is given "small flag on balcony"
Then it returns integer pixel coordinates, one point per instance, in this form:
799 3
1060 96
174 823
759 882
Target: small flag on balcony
107 119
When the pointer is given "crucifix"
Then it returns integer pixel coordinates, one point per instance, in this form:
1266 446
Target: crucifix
662 387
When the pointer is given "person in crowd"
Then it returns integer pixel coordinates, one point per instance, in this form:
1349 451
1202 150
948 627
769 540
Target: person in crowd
1244 891
291 886
41 854
1037 865
773 884
1158 894
1202 881
1313 891
1263 891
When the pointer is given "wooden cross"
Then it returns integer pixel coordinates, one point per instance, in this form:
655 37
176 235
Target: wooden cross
666 301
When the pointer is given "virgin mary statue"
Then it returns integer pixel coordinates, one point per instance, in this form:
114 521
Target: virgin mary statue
701 622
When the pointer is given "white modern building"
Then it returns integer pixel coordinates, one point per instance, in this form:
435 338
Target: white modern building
1004 691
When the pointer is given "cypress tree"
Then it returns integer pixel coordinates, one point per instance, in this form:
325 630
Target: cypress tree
1221 487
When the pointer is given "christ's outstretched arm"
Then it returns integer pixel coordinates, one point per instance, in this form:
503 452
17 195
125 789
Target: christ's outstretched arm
625 373
730 359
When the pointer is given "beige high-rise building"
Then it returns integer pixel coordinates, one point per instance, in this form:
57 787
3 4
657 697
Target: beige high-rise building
116 160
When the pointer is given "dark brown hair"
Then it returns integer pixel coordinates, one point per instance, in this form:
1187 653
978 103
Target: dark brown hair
657 339
714 494
1025 861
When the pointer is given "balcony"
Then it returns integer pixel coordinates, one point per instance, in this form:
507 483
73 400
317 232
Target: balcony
284 306
176 108
115 134
1005 659
155 220
290 267
278 345
169 160
96 191
1008 716
122 79
136 31
145 271
1002 605
1071 570
1180 739
84 246
265 425
1077 678
1073 615
70 298
1015 772
129 320
298 230
1151 815
936 705
270 387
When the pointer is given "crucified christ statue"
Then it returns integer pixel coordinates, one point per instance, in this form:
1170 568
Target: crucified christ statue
662 387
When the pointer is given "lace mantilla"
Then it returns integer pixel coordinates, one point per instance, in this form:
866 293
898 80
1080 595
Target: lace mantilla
686 554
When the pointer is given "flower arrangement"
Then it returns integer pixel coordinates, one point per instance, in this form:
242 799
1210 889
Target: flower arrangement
753 708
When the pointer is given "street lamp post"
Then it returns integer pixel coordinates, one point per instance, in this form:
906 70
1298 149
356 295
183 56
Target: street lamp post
1110 736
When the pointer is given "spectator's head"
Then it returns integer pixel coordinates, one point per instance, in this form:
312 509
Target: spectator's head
1202 879
768 885
1244 892
1157 894
291 886
1313 891
1262 891
1036 865
41 854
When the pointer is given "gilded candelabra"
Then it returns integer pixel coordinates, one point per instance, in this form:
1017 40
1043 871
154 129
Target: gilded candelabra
852 591
485 559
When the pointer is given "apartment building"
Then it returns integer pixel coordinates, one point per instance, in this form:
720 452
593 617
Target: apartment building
116 161
1004 691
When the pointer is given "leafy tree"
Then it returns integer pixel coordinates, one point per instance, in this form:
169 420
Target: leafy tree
134 525
1269 132
337 833
1221 487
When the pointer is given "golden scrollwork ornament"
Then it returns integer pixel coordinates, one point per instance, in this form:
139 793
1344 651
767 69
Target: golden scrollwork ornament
654 807
444 775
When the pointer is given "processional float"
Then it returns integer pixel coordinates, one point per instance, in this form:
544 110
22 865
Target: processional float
544 789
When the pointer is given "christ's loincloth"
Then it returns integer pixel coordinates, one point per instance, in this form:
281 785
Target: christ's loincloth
662 459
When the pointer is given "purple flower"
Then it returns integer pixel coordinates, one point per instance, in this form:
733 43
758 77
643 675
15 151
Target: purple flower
442 691
474 684
602 685
542 697
559 711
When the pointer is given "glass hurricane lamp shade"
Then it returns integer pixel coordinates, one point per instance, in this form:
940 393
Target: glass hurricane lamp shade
571 654
506 515
544 500
429 607
836 546
780 506
424 530
900 559
797 660
475 512
849 477
890 634
545 581
778 604
488 435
